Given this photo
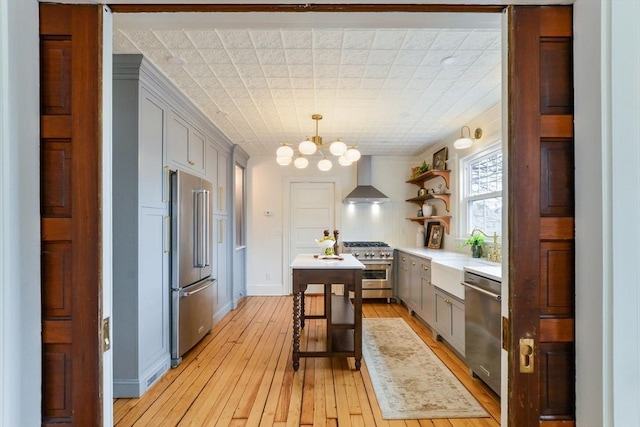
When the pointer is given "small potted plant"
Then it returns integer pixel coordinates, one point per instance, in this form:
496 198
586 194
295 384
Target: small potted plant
475 241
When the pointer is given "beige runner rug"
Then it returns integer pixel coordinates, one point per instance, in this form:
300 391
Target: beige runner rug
409 380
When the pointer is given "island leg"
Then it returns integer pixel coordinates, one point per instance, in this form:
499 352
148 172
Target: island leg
302 310
296 329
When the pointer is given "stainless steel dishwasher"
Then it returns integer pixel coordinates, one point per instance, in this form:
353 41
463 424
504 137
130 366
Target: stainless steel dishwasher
482 328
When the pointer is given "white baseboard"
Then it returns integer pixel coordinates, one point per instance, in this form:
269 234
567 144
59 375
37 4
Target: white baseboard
265 290
276 290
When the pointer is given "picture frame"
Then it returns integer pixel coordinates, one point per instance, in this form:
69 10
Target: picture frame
427 232
435 237
440 159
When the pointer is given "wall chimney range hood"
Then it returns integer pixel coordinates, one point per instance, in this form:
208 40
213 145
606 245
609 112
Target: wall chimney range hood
364 191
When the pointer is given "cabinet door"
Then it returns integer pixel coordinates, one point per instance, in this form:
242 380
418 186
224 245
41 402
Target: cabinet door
178 140
428 301
222 261
196 150
185 144
153 285
415 298
223 183
403 277
442 315
211 171
457 325
152 178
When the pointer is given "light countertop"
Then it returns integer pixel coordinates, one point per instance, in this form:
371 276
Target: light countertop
309 261
458 261
447 268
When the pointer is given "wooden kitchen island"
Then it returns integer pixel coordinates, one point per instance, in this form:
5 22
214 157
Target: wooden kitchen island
344 319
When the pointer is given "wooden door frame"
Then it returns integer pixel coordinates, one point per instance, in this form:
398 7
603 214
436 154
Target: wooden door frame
91 226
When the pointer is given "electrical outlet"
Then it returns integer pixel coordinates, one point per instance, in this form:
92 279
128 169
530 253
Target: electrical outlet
268 276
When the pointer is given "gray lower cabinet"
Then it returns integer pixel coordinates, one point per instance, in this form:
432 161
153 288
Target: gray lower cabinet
414 284
426 310
404 276
141 352
223 265
449 319
443 312
415 289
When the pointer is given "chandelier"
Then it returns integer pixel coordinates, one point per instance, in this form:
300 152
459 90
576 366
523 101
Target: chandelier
346 154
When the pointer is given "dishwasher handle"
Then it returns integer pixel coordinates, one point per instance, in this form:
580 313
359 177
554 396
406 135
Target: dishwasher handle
484 291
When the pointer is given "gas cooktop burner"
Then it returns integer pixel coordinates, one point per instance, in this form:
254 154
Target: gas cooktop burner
365 244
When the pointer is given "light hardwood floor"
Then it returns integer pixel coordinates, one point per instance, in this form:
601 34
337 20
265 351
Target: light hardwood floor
241 375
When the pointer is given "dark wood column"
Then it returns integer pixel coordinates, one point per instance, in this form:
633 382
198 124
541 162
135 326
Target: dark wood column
541 215
70 79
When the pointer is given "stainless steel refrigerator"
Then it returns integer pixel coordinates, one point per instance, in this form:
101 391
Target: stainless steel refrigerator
192 281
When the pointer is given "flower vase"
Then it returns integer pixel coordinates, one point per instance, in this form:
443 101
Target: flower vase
476 251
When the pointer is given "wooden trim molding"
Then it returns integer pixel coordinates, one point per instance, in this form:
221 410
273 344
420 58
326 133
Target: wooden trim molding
303 7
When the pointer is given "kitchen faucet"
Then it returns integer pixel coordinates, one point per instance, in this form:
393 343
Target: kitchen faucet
493 254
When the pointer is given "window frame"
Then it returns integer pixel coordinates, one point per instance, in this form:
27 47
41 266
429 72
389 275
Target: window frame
464 163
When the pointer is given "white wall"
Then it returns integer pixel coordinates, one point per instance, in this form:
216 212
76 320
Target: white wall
625 202
20 353
591 186
267 236
491 124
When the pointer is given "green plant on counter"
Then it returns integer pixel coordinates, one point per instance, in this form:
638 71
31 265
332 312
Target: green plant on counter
473 240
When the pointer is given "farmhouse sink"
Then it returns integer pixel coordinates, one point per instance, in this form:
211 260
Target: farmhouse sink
448 273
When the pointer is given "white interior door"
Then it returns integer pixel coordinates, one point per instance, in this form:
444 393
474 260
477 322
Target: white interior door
312 212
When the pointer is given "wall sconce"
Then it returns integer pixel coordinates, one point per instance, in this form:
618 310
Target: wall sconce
466 141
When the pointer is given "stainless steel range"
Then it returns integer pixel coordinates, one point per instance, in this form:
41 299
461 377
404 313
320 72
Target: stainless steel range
377 277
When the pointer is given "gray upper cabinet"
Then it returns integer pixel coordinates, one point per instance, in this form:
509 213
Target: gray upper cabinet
186 148
223 184
153 176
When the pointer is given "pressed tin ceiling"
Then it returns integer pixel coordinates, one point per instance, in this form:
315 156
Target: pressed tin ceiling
390 83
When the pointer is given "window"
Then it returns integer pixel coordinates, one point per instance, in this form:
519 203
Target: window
482 192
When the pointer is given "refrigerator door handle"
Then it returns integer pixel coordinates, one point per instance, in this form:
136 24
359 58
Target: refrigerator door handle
199 221
207 224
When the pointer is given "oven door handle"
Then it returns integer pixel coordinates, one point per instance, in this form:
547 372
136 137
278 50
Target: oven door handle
484 291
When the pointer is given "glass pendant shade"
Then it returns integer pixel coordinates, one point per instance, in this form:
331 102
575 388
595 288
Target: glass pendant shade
307 147
301 162
283 161
344 161
352 154
466 141
462 143
284 151
324 165
287 153
338 148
